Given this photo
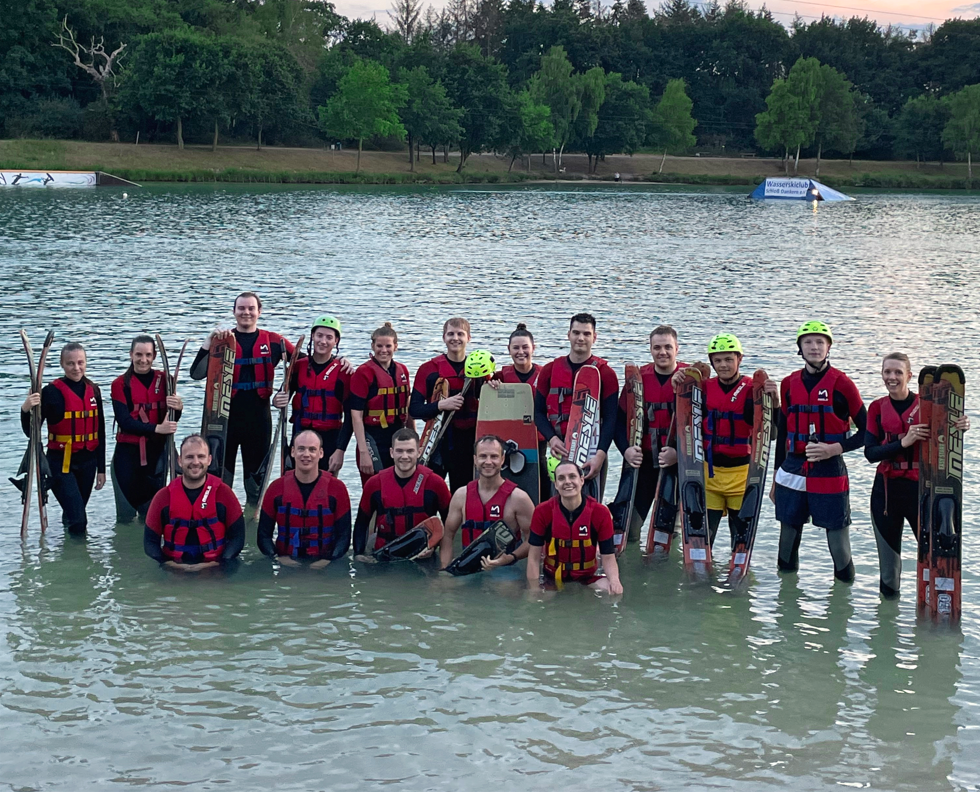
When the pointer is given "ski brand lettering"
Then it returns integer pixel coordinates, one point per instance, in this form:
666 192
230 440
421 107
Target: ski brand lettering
696 419
418 483
822 395
495 511
583 531
205 496
954 449
738 390
264 349
227 382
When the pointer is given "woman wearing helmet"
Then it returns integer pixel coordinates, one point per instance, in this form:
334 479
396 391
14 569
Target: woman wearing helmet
817 405
893 441
378 401
455 454
320 382
727 429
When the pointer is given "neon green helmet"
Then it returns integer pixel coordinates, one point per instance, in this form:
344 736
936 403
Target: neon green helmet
329 322
724 342
479 364
553 463
814 328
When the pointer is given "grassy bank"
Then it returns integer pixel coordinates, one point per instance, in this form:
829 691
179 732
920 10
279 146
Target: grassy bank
161 163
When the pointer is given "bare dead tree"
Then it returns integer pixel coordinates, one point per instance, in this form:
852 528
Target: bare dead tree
406 16
97 63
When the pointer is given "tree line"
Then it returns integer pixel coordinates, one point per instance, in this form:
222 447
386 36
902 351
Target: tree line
514 77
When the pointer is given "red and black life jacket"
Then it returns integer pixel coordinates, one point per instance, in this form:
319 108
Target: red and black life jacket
890 427
478 515
810 414
508 374
389 406
559 399
146 404
79 427
193 532
465 417
659 403
316 402
261 361
402 507
305 530
571 553
725 431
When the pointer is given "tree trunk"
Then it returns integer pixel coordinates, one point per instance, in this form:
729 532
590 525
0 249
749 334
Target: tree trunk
445 156
214 143
969 165
511 166
433 155
258 144
796 163
418 151
786 161
528 163
357 168
819 151
180 132
544 159
561 154
411 153
663 159
916 160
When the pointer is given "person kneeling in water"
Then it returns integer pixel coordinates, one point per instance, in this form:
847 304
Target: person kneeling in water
197 517
488 500
893 440
309 507
573 528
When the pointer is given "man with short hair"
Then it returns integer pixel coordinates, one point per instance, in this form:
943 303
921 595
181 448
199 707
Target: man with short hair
488 499
398 498
573 530
553 397
196 521
257 353
309 509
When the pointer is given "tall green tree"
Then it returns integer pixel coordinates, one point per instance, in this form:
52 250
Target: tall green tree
478 86
839 122
592 90
792 111
625 120
555 85
962 132
366 104
674 123
528 128
919 128
428 116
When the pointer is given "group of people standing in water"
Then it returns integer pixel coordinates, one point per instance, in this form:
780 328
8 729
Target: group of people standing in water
305 517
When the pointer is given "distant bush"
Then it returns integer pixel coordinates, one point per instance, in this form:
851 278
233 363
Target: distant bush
47 118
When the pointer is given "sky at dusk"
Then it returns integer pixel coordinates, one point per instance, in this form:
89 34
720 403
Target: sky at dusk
906 14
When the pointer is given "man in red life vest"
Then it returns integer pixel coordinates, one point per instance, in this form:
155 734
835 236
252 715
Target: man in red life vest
196 521
817 405
571 532
257 354
654 452
485 501
308 510
553 398
398 498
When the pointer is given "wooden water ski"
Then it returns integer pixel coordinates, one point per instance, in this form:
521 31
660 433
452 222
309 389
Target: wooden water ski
508 412
217 401
41 471
622 506
690 470
582 434
663 512
435 428
926 377
32 442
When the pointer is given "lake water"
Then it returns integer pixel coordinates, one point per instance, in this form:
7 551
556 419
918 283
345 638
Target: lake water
113 671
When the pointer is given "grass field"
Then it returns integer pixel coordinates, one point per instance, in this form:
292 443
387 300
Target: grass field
309 165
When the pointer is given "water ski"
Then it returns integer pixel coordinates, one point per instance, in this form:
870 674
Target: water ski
622 505
663 512
582 434
435 427
410 545
690 470
926 377
755 483
946 506
508 412
264 472
217 402
496 539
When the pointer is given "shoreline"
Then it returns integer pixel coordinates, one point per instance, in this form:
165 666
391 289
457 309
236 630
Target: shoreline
155 163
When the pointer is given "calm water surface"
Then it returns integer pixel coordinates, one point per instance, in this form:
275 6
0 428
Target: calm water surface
112 670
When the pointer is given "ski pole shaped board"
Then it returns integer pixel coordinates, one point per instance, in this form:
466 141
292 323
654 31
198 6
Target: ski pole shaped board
663 512
755 483
217 401
582 434
25 474
926 377
690 470
945 546
622 505
508 412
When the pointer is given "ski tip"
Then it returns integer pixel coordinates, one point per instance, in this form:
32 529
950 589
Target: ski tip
926 374
49 338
